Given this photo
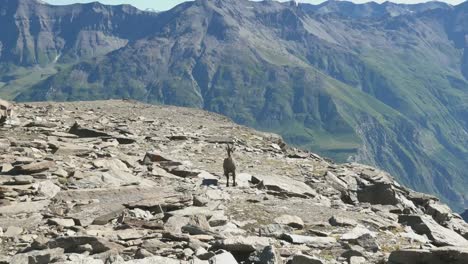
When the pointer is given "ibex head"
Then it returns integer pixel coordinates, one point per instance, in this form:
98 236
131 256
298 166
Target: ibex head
230 149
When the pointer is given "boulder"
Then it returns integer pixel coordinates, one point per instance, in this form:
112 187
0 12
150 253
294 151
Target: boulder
37 256
304 259
223 257
270 255
153 260
25 207
458 225
357 260
439 235
356 232
244 244
153 156
284 185
318 242
71 244
153 245
274 230
292 221
32 168
82 132
218 220
22 180
440 212
13 231
61 222
47 189
341 221
442 255
378 193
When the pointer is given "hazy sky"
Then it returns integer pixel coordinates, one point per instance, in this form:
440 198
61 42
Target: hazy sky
167 4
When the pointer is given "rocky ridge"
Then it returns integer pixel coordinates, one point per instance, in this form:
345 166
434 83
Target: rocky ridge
125 182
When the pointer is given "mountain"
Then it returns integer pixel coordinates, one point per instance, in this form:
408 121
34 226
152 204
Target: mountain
119 181
382 84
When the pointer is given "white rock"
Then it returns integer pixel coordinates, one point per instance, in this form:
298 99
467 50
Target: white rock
290 220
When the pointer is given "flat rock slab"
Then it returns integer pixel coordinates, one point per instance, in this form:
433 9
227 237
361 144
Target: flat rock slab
111 201
304 259
154 260
443 255
224 258
285 185
30 222
245 244
25 207
37 256
32 167
70 244
190 211
290 220
319 242
439 235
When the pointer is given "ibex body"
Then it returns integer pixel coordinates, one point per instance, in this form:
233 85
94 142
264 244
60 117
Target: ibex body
6 110
229 165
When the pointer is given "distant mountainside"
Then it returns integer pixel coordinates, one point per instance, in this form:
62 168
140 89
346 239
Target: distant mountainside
383 84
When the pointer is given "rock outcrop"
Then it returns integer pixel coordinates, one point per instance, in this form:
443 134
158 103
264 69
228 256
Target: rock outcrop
74 193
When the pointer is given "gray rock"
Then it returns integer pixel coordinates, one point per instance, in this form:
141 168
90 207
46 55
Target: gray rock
82 132
439 235
357 260
443 255
356 232
292 221
154 260
270 255
458 225
319 242
304 259
284 185
23 180
37 257
200 201
153 245
244 244
62 222
142 253
47 189
203 254
341 221
218 220
223 257
13 231
33 167
440 212
175 223
274 230
71 244
378 193
155 157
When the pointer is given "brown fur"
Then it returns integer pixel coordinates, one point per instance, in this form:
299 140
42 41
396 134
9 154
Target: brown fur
229 165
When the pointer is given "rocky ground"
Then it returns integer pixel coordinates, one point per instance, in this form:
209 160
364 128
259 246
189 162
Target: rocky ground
124 182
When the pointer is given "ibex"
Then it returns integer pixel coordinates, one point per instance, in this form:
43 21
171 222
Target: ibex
229 165
6 111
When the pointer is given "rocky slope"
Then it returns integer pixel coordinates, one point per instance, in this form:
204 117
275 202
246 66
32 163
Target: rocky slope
125 182
383 84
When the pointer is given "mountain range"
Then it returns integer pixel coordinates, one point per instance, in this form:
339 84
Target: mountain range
381 84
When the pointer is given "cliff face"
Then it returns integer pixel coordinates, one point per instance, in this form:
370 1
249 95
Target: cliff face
36 33
379 84
125 182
